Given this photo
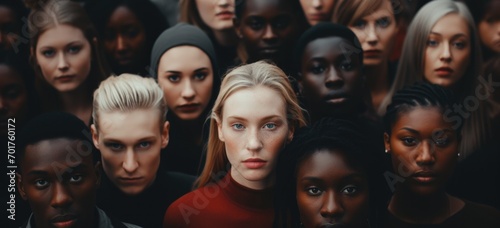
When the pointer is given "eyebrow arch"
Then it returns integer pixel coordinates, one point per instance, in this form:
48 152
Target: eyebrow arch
453 37
410 130
67 169
265 118
76 42
349 176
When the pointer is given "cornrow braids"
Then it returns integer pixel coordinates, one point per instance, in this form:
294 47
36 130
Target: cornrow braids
419 95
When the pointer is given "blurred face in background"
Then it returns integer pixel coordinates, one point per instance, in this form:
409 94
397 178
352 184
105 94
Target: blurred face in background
317 10
216 14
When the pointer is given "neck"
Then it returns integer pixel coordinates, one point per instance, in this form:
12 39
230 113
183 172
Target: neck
76 103
226 38
255 185
413 208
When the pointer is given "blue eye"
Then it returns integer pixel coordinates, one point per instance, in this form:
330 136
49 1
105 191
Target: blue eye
314 191
384 22
359 24
48 53
270 126
74 49
114 146
432 43
200 76
459 45
237 126
144 144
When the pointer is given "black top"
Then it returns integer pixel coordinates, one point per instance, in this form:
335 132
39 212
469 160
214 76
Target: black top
148 208
472 215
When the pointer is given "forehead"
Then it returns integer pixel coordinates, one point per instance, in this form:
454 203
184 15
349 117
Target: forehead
422 119
255 103
326 162
53 154
123 15
132 125
265 6
330 46
175 58
451 24
60 35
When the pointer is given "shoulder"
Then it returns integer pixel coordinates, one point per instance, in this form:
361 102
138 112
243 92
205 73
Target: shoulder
474 213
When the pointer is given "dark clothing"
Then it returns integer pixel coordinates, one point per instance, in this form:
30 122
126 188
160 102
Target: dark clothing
477 178
472 215
183 156
147 208
222 204
103 221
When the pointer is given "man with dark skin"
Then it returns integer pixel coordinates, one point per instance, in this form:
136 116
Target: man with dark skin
59 173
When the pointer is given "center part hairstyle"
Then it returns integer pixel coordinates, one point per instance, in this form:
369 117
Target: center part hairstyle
126 93
411 66
245 77
48 14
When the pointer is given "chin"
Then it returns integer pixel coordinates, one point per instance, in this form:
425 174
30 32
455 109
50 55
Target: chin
132 191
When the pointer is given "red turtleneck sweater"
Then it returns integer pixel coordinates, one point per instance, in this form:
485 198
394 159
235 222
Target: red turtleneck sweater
222 204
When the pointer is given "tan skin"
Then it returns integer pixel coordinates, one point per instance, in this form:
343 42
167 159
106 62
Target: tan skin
423 148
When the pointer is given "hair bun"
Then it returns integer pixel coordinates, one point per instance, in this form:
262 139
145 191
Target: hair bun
36 4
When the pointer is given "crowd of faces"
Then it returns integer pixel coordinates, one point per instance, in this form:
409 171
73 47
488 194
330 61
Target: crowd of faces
253 124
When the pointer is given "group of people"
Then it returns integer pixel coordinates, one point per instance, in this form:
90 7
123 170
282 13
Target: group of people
253 113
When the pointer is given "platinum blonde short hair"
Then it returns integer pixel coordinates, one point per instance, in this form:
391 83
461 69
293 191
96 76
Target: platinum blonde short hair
126 93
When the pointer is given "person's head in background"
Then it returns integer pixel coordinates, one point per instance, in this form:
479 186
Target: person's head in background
130 129
486 14
184 63
317 10
329 62
128 29
374 22
58 171
17 93
66 55
442 47
214 17
11 14
268 29
255 114
328 174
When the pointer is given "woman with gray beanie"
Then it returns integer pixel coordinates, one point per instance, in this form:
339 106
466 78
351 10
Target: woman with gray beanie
183 62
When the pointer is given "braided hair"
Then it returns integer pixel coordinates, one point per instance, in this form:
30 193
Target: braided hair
422 95
343 136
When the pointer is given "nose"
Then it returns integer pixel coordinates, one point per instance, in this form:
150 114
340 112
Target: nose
445 53
371 35
130 163
62 65
317 4
333 79
188 91
121 45
254 142
332 206
269 34
425 154
60 196
223 3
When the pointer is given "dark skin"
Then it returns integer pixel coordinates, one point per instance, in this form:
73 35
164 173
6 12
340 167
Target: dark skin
59 180
424 149
13 97
125 41
330 80
267 29
331 191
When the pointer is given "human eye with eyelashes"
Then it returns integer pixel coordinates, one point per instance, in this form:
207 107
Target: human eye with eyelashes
314 191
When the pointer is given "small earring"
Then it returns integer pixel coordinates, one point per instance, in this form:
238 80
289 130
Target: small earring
386 151
458 154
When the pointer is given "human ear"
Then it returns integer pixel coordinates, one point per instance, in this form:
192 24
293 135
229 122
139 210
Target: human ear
95 136
219 131
387 143
20 186
165 135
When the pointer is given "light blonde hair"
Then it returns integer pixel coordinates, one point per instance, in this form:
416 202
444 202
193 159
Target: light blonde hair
411 67
246 76
126 93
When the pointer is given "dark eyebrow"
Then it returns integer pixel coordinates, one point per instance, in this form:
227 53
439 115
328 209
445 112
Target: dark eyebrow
349 176
201 69
67 169
453 37
410 130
